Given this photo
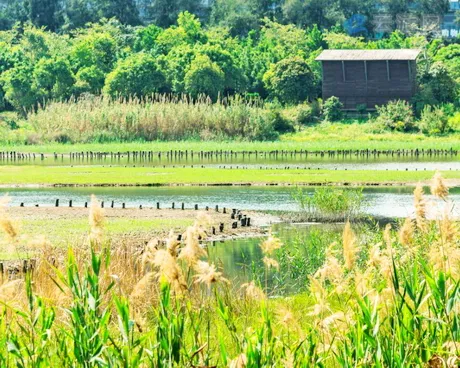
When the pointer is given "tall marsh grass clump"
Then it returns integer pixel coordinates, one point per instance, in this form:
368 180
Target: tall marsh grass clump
330 203
394 302
160 117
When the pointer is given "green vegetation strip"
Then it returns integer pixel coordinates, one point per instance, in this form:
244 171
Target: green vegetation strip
96 175
311 142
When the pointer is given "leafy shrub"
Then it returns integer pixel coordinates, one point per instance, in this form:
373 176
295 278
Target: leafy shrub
434 120
396 115
291 80
316 108
332 109
304 114
204 78
137 75
436 86
454 121
279 122
361 109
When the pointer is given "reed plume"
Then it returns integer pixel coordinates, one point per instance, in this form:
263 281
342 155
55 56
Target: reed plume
207 274
420 207
350 249
96 221
6 224
332 270
406 233
271 244
271 263
169 270
438 187
192 251
252 291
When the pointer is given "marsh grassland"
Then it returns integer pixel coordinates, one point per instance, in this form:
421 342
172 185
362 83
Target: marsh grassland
379 297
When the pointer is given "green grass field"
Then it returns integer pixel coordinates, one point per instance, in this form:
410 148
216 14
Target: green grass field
96 175
326 136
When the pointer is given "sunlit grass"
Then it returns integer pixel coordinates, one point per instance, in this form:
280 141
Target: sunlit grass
97 175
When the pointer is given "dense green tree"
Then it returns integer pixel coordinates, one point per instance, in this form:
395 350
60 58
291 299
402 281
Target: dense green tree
53 79
95 49
291 80
164 13
236 15
235 79
323 13
123 10
17 87
89 79
436 87
187 31
138 75
146 38
45 13
177 64
439 7
204 78
79 12
450 57
93 56
12 12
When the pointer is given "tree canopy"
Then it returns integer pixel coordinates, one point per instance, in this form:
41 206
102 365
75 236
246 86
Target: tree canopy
259 48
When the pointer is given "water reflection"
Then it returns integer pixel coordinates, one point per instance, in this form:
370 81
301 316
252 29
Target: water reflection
387 202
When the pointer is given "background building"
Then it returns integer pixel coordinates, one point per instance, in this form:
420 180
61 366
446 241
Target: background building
368 77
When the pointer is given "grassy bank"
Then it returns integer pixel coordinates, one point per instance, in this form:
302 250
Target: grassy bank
303 141
96 175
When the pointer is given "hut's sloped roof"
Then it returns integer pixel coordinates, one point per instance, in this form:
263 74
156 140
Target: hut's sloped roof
361 55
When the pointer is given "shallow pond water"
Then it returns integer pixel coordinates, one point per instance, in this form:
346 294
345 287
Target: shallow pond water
387 202
241 259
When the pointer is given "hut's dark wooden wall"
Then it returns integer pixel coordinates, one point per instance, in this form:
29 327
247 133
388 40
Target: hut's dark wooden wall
376 89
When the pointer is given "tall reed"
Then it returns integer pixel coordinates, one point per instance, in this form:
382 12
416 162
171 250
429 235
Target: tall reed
159 117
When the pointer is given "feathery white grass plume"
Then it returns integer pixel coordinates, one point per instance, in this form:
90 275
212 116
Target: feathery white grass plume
172 244
207 274
332 270
6 224
252 291
438 187
192 251
350 248
420 207
240 361
406 232
96 220
271 244
271 263
169 270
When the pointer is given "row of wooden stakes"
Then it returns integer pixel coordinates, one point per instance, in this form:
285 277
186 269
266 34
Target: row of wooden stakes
150 155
